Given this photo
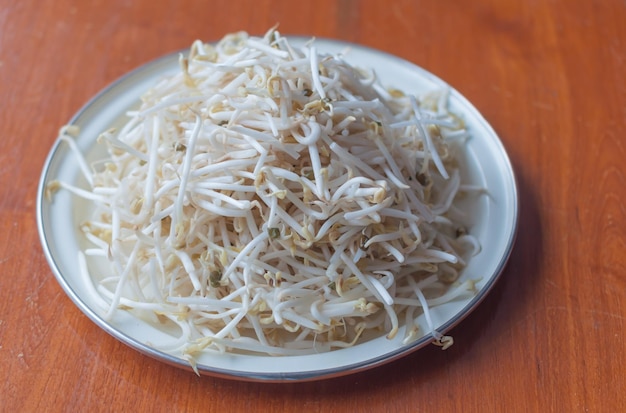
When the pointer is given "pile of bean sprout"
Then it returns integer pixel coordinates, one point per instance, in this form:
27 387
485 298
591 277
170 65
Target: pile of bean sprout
272 199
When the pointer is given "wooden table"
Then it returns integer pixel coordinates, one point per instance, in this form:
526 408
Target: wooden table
548 75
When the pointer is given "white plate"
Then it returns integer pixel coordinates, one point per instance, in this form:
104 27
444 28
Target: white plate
495 224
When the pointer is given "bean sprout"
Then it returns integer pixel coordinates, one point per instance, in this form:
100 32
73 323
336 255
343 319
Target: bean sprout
273 199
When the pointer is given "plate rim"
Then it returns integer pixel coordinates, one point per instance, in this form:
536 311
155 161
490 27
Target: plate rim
295 376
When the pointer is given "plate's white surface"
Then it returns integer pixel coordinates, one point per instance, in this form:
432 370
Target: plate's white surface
495 224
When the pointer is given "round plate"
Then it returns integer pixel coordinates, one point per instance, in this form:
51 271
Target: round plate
494 225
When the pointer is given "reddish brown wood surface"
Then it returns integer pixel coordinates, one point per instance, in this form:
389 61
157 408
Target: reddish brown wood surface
548 75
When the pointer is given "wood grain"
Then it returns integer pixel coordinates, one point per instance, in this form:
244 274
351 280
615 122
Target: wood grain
549 77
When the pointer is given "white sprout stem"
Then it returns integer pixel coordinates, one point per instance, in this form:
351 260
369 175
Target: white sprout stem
83 193
317 84
82 163
317 171
243 254
152 163
423 302
178 211
88 281
429 142
384 298
123 146
120 285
